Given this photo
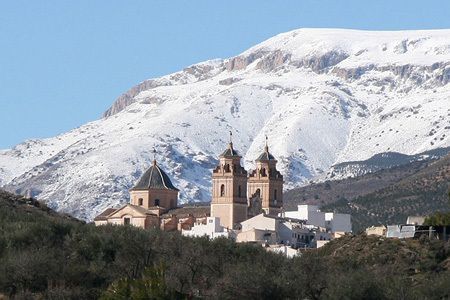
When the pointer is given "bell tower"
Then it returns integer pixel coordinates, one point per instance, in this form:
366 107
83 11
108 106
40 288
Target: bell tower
229 188
267 183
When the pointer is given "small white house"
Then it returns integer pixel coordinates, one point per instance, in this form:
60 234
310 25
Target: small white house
309 213
212 229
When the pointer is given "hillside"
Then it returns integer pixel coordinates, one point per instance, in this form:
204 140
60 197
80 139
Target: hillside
322 96
421 193
395 167
44 255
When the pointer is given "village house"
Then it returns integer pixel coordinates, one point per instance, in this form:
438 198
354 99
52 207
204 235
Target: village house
210 228
311 214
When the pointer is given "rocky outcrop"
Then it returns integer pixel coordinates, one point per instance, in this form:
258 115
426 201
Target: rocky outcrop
241 62
273 60
128 97
437 74
321 63
229 81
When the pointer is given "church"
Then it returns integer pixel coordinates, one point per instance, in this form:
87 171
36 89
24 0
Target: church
236 196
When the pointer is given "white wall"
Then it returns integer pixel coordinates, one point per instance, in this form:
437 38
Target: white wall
261 222
338 222
212 228
310 213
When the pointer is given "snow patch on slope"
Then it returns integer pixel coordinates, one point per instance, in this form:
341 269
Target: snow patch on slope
322 96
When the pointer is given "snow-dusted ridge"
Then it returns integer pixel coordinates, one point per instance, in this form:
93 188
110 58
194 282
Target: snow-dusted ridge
323 96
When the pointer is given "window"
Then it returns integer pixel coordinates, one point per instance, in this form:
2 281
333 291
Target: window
275 195
239 191
141 201
126 221
156 202
210 221
222 190
263 172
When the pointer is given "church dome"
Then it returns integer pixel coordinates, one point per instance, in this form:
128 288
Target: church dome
265 156
154 178
229 152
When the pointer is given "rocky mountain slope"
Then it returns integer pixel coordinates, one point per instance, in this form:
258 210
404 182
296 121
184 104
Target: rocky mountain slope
322 96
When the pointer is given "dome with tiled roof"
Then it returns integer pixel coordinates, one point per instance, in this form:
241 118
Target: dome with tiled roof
154 178
265 156
230 152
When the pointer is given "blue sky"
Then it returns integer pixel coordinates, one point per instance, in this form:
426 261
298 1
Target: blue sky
63 63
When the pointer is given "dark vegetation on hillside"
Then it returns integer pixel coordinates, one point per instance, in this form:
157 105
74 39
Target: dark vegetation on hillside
385 197
47 256
331 191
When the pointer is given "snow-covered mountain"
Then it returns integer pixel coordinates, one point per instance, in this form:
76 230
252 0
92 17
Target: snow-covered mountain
322 96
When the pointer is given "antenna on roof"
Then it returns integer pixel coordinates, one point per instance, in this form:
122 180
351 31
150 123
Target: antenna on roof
267 145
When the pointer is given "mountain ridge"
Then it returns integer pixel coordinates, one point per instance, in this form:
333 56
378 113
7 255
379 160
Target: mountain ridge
323 97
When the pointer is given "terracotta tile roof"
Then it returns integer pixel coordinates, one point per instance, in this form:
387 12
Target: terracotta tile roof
104 214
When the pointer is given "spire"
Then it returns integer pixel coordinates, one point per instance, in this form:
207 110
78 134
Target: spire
267 146
230 151
154 156
265 155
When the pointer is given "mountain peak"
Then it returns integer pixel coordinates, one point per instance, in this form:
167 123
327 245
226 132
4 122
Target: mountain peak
322 96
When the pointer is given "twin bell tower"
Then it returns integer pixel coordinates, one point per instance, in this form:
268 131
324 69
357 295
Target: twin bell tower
238 195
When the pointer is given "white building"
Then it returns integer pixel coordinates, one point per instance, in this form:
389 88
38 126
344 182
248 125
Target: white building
401 231
338 222
415 220
212 229
283 249
267 229
309 213
312 215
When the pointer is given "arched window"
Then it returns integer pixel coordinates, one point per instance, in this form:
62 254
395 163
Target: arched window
141 201
263 172
275 195
156 202
222 190
239 191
